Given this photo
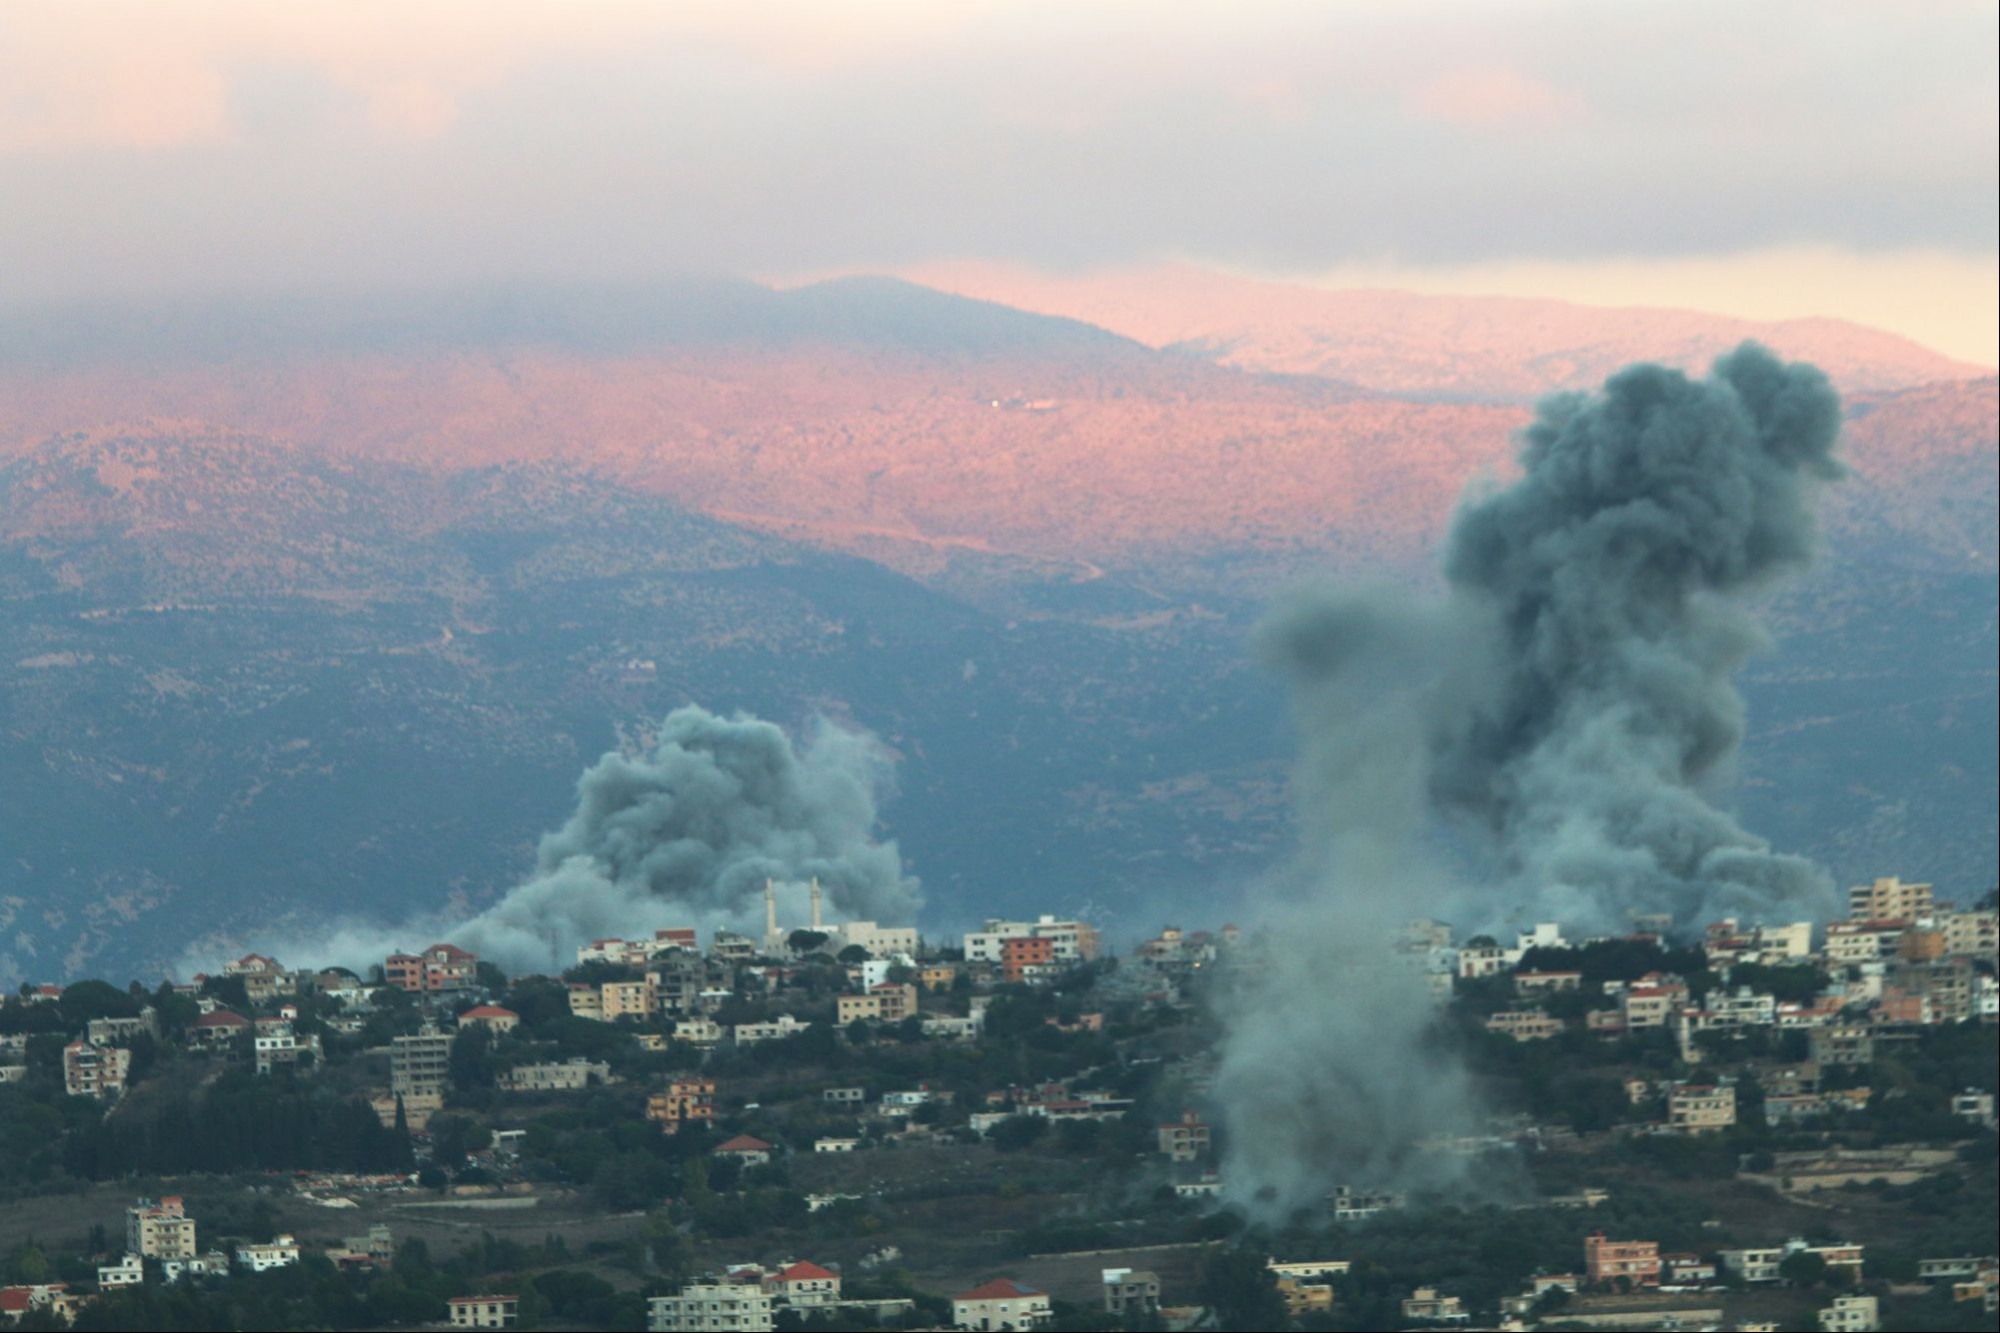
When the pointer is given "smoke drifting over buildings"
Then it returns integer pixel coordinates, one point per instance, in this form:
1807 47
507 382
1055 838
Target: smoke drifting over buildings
1564 701
689 831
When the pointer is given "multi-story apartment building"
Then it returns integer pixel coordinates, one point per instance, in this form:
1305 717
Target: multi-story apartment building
1633 1262
710 1305
95 1071
160 1230
1701 1108
687 1100
1889 900
420 1062
1070 941
627 999
1185 1139
887 1003
442 967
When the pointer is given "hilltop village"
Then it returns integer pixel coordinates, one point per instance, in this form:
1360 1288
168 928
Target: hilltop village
841 1125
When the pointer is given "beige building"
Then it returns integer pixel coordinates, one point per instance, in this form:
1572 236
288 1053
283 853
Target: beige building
1851 1314
1972 934
556 1075
1185 1139
887 1003
420 1062
95 1071
628 999
702 1306
1132 1290
160 1230
1889 900
1525 1024
1701 1108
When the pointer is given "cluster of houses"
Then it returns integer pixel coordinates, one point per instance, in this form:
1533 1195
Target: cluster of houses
161 1245
1899 963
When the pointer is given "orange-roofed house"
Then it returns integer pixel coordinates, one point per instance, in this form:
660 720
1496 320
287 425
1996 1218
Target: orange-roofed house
803 1284
747 1149
217 1030
491 1017
1001 1304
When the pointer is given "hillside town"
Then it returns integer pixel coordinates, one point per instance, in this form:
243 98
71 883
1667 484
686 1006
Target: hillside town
839 1124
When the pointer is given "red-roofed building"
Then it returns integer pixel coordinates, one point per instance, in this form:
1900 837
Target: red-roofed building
491 1017
440 967
1000 1304
52 1296
803 1284
747 1149
217 1030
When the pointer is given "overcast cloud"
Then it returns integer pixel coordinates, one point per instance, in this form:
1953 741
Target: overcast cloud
198 147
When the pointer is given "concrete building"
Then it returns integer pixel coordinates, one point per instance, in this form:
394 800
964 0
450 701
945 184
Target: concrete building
442 967
627 999
1701 1108
1634 1263
129 1271
702 1306
555 1075
95 1071
784 1025
1851 1314
1425 1303
1001 1304
886 1003
1185 1139
160 1230
1889 900
420 1062
1130 1290
688 1100
1070 941
281 1252
1525 1024
484 1311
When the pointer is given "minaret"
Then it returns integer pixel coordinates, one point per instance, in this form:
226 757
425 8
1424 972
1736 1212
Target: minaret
770 910
815 903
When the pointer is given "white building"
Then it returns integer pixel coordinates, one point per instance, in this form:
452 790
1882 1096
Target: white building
127 1272
702 1306
1851 1314
282 1252
1073 941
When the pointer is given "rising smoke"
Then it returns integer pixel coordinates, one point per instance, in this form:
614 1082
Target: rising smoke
687 833
682 833
1566 700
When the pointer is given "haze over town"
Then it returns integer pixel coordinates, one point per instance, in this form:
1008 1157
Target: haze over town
999 666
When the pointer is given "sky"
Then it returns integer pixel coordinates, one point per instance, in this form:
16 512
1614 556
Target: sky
1776 159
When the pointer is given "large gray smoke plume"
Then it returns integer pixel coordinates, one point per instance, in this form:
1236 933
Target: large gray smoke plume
1566 700
688 832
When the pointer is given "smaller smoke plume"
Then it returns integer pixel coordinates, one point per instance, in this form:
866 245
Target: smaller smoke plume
689 831
684 833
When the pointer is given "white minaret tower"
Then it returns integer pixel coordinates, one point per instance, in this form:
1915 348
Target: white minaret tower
770 915
815 903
